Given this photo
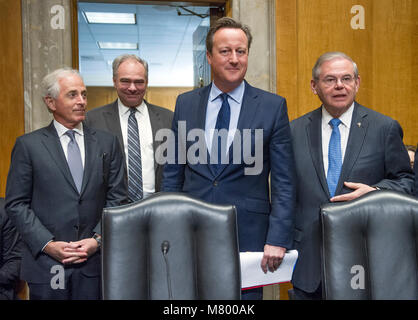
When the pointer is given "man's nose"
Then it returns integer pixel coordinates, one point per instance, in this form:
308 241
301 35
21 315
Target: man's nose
233 58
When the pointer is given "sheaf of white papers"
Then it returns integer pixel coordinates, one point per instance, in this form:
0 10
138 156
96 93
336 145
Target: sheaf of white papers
253 276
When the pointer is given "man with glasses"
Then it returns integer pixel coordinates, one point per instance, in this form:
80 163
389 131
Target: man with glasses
135 122
342 151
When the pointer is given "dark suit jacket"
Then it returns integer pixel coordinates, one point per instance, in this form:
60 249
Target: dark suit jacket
416 173
375 156
44 204
107 118
10 255
261 219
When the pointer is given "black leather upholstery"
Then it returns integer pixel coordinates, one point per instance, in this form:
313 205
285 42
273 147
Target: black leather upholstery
379 233
203 257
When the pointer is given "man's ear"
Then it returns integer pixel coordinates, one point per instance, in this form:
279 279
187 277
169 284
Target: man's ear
50 103
209 57
313 86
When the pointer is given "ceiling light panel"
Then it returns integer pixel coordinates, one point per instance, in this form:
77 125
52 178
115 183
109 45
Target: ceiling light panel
118 45
110 17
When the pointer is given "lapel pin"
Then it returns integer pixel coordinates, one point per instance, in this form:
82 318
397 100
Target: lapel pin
359 124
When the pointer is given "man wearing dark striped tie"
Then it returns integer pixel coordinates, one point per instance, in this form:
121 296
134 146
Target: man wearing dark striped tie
135 123
342 151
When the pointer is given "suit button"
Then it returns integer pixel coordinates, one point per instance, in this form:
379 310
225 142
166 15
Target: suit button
76 227
215 183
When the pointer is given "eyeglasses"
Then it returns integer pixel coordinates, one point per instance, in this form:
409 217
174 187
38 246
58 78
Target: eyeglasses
332 81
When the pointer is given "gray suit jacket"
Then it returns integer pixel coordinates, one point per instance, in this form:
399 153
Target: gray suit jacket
375 156
43 202
107 118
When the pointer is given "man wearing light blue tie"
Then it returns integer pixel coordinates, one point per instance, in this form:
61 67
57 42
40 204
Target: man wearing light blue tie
342 151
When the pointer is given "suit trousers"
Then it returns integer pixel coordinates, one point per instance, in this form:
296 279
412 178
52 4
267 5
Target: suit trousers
77 287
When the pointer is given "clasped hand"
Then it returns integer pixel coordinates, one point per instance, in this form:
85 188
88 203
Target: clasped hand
71 252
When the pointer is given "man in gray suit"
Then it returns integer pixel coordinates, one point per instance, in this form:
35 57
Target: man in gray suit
130 78
60 178
342 151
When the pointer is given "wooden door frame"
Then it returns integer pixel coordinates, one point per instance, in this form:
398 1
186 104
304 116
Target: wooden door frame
74 16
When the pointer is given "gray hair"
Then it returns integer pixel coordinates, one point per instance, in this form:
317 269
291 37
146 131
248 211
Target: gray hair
226 22
50 83
118 60
328 56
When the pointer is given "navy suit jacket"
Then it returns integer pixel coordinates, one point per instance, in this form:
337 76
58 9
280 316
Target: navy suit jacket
107 118
43 202
375 156
262 218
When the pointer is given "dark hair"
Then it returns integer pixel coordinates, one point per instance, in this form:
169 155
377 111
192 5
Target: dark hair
226 22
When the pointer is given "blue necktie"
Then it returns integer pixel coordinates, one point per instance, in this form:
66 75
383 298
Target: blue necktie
334 157
135 191
74 160
222 122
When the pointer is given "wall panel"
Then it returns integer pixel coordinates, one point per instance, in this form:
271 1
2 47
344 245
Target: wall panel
11 83
385 51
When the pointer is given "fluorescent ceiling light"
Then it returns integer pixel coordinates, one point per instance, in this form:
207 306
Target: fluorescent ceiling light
110 17
118 45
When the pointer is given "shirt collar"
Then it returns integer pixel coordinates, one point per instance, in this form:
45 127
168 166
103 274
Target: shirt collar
235 94
345 117
124 110
61 129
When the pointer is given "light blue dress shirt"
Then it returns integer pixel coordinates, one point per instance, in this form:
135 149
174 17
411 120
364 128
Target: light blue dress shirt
215 104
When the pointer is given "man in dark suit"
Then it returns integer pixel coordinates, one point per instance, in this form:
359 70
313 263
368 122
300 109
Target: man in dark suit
342 151
416 173
247 121
130 78
60 178
10 255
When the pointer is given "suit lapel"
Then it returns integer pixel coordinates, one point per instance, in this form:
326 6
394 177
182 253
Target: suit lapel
53 144
249 106
314 135
199 122
91 156
111 117
358 130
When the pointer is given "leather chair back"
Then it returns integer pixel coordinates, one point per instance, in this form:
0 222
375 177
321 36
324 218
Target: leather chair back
203 257
370 247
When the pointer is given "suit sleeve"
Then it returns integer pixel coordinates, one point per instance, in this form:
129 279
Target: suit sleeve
282 181
11 252
116 183
19 197
173 174
398 172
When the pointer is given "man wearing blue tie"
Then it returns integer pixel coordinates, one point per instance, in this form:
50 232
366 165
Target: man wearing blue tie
342 151
250 124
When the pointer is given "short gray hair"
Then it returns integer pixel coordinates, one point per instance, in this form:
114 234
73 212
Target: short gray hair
328 56
118 60
50 83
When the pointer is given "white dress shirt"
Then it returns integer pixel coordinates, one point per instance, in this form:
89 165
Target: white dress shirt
65 139
344 127
146 142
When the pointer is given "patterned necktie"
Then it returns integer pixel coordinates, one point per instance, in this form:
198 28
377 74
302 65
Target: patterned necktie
74 160
135 191
222 122
334 156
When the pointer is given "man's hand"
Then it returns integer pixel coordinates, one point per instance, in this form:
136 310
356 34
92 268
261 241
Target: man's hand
359 190
85 247
272 258
58 250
